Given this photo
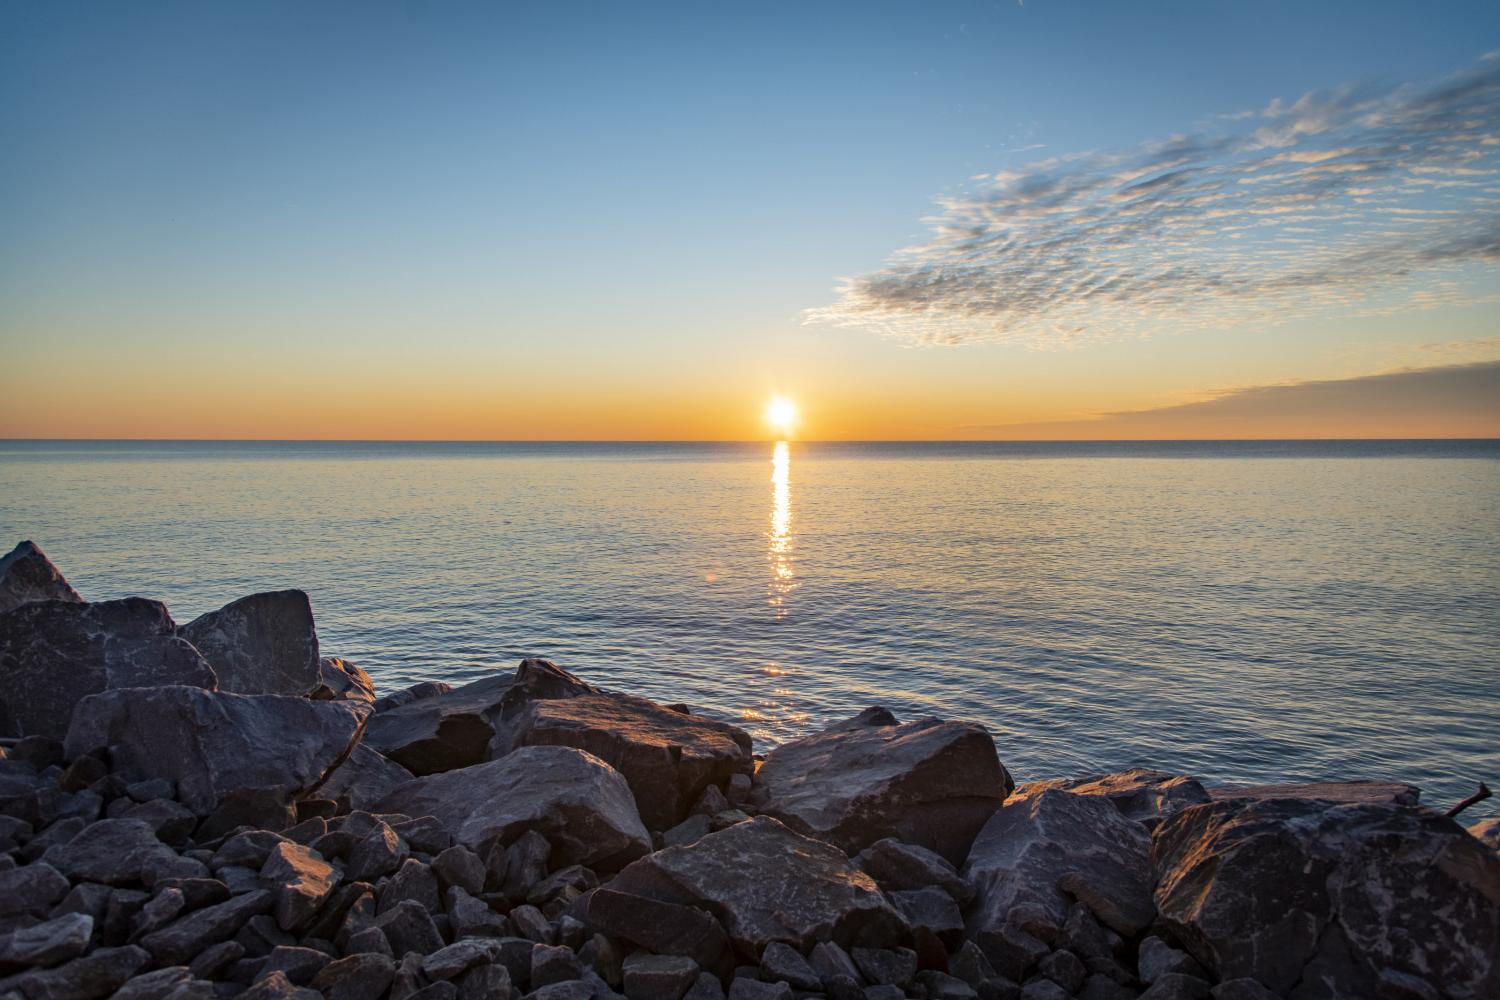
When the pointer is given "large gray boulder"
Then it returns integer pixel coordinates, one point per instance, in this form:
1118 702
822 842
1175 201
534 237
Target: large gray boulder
1045 848
930 783
668 757
27 575
1140 794
212 743
52 653
581 804
261 644
365 777
442 731
1315 899
766 882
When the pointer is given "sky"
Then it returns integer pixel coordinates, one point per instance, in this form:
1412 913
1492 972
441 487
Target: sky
640 221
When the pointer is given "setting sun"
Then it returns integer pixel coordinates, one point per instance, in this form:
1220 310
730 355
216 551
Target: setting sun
781 414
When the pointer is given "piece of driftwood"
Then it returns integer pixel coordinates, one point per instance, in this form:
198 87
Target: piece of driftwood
1479 796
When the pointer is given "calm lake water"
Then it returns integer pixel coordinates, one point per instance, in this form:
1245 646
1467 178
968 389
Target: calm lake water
1241 611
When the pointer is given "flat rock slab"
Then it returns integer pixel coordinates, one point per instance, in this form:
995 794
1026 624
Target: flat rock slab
26 575
1142 795
261 644
1042 848
668 757
930 783
53 653
440 732
765 883
581 804
212 743
1325 791
1316 899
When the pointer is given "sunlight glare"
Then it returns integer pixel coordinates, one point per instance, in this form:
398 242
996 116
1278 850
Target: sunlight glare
782 414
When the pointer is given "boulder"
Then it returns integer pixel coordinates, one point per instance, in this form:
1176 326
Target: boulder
27 575
581 804
1325 791
1140 794
212 743
366 777
339 678
111 852
895 865
929 782
1316 899
441 731
261 644
661 927
766 882
669 758
406 695
1042 847
54 653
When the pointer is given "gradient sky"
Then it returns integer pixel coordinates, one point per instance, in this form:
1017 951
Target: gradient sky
919 220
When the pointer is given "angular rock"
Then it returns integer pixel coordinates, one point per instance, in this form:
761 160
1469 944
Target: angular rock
377 853
1337 792
800 891
487 982
261 644
47 943
31 889
154 985
27 575
357 977
929 782
472 917
413 880
1140 794
578 802
210 962
669 759
1042 845
461 867
211 743
338 678
100 973
780 963
1317 896
941 986
461 956
301 882
744 988
1156 958
54 654
409 927
896 967
554 964
906 866
111 851
299 965
158 912
933 909
366 778
441 732
179 942
171 822
268 808
1176 986
407 695
658 977
531 924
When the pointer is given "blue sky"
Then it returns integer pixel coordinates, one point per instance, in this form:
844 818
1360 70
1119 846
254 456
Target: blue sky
655 193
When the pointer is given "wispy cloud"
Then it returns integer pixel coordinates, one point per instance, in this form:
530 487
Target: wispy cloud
1357 200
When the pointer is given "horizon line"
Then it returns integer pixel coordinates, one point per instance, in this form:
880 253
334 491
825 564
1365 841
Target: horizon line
768 440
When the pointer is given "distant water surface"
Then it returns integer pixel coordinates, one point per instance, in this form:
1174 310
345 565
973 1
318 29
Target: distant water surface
1245 611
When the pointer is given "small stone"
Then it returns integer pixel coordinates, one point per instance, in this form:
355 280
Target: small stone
371 940
186 937
299 964
154 985
486 982
525 864
831 962
941 986
1043 989
896 967
1156 958
248 849
1103 987
884 993
695 827
780 962
553 964
710 802
378 853
301 882
1176 986
424 833
307 831
472 917
31 889
82 773
275 986
658 977
113 851
574 877
120 912
357 977
409 927
437 991
172 822
408 978
161 910
459 957
899 866
459 866
213 960
705 987
1242 989
530 924
414 881
47 943
600 954
1065 969
933 909
752 989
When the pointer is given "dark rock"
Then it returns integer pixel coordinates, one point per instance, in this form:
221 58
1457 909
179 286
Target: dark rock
577 801
461 867
1175 986
365 778
526 863
711 802
932 909
95 975
27 575
248 849
405 696
260 936
1140 794
299 965
409 927
753 989
531 924
301 882
188 936
441 732
154 985
1241 989
261 644
1065 969
212 743
461 956
472 917
882 993
268 808
1043 989
57 834
371 940
408 978
86 897
47 943
339 678
32 889
151 789
802 891
307 831
669 759
120 913
160 910
969 964
1101 987
423 833
82 773
212 961
1045 843
377 853
111 851
571 881
487 982
832 963
1313 895
436 991
414 881
658 977
781 963
1156 958
556 964
275 986
172 823
689 830
54 653
930 783
897 967
941 986
906 866
1334 792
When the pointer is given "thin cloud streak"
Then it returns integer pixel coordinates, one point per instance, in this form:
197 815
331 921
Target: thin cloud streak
1354 199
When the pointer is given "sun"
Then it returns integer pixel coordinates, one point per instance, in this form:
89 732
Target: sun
781 413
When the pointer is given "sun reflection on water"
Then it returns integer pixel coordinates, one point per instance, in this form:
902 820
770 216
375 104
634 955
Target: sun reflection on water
779 552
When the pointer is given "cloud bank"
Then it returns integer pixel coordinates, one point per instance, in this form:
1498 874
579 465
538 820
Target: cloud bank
1440 402
1358 200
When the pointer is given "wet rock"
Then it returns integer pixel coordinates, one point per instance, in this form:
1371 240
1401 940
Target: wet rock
27 575
366 778
212 743
906 866
658 977
338 678
443 731
929 782
1307 894
1336 792
188 936
98 974
803 891
1140 794
1042 845
583 806
46 943
110 851
669 759
261 644
55 653
301 881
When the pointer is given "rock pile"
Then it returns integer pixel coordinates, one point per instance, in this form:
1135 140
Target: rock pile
218 810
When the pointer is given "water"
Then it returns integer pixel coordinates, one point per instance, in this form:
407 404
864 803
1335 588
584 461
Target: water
1240 611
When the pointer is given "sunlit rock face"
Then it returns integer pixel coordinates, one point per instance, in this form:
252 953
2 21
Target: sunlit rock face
261 644
929 782
26 575
768 883
53 653
668 757
1316 899
1143 795
212 743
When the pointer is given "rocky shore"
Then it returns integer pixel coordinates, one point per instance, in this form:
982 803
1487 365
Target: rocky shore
216 810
